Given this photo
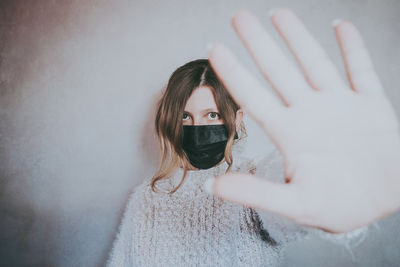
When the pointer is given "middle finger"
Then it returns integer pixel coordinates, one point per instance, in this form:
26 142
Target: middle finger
315 63
282 74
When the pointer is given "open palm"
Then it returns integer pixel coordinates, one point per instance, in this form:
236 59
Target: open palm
340 143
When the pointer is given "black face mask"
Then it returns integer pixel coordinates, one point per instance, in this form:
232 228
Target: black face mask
205 144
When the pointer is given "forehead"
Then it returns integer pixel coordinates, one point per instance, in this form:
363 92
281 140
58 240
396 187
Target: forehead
200 99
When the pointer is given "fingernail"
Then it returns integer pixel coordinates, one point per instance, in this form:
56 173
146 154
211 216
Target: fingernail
232 15
208 185
335 22
209 46
271 12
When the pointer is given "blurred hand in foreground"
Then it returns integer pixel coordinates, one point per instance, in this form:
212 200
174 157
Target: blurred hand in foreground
340 143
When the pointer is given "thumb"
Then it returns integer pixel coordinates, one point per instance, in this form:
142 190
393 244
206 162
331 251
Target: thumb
255 192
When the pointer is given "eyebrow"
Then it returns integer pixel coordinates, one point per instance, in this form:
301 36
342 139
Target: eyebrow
204 110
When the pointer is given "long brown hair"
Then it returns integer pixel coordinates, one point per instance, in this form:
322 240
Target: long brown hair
170 108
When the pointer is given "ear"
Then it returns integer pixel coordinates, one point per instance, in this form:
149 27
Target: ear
239 118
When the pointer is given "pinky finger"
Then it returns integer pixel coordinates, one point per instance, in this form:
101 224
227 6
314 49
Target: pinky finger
359 67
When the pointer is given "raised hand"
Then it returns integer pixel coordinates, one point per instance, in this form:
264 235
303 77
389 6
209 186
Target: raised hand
340 143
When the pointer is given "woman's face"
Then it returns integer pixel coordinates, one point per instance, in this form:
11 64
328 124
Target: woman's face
201 109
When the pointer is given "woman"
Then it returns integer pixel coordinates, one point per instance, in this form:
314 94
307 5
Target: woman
170 220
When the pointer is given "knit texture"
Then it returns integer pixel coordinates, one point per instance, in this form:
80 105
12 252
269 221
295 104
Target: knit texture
192 228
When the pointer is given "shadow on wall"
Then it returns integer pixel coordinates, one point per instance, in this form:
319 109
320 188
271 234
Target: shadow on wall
149 141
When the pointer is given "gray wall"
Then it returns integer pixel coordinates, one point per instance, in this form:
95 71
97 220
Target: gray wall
78 83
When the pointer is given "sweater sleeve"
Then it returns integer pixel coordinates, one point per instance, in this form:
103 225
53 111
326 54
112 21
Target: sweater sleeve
284 230
122 248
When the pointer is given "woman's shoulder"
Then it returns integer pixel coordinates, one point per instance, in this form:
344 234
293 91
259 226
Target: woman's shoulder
139 197
143 197
141 204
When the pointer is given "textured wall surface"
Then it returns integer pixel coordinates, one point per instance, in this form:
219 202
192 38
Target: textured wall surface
78 84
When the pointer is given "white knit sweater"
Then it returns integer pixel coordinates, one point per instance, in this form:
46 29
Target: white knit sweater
193 228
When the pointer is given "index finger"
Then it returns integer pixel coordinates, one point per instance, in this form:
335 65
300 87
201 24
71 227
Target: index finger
247 91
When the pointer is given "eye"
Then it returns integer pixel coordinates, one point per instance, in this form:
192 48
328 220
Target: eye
213 116
185 116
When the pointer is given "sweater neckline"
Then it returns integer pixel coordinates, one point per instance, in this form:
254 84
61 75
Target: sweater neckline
215 170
